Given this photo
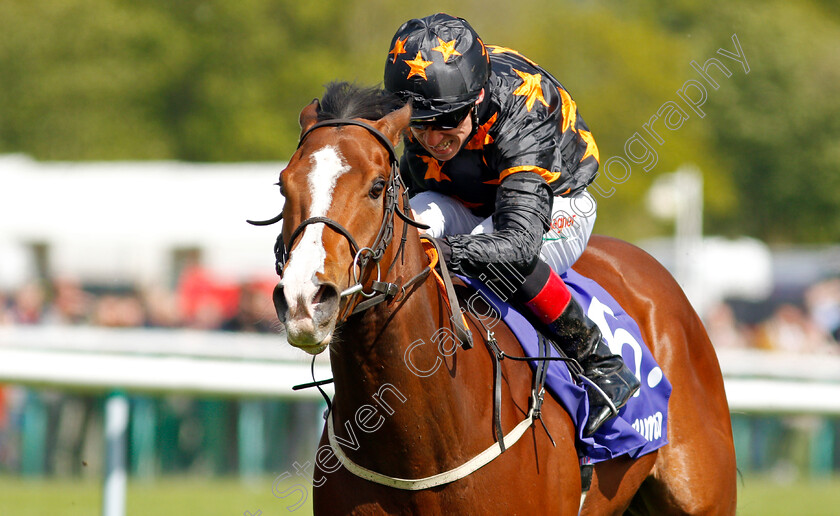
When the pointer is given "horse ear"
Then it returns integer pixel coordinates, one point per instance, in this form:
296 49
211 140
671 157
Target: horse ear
394 123
309 116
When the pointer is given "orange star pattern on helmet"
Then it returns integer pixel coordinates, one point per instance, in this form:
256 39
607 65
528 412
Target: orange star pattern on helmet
433 171
399 48
591 148
447 48
531 89
418 67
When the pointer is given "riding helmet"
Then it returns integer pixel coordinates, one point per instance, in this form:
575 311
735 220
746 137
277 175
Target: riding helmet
439 63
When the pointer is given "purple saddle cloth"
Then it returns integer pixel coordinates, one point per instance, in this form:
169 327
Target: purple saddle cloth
641 425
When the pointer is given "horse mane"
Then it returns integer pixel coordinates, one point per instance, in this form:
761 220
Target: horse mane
346 100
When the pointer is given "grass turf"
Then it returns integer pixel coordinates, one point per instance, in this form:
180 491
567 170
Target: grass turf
165 496
177 496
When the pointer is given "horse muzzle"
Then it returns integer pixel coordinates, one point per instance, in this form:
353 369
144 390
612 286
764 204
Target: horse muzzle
309 316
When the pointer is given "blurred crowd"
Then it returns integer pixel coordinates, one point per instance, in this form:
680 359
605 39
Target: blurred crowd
807 321
199 300
808 324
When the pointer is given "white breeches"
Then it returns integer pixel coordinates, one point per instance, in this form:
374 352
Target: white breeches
572 220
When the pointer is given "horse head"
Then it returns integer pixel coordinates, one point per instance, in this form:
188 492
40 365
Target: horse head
336 188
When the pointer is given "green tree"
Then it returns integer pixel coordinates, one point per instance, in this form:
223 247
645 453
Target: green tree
207 80
774 130
779 128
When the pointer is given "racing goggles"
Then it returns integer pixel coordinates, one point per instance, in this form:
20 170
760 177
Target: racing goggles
443 121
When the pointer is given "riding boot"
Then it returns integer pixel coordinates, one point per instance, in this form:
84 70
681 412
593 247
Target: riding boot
580 338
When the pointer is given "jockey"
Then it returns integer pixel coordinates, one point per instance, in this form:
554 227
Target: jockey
498 160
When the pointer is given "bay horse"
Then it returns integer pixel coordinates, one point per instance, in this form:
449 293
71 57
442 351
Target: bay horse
408 405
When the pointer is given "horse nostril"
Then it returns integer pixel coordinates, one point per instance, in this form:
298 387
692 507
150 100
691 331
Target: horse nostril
325 303
280 304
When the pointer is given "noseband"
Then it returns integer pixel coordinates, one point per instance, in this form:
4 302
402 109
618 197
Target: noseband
363 256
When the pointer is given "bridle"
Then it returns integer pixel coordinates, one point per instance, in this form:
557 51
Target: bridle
366 255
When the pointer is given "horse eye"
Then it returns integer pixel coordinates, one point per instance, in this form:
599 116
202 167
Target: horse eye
376 189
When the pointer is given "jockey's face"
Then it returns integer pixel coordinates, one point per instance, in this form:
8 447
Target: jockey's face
444 144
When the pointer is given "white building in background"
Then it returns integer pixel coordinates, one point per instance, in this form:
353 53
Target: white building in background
117 222
709 269
720 269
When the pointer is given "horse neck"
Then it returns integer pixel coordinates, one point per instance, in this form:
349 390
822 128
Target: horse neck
371 369
371 346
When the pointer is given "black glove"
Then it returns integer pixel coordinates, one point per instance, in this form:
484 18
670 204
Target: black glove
523 214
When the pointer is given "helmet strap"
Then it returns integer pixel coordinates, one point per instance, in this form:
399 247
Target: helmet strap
474 116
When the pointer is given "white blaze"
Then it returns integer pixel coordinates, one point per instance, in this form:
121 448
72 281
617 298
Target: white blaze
309 255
